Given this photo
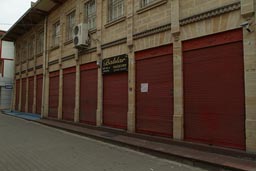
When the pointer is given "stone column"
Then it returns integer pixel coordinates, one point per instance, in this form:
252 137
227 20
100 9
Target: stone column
99 112
27 90
20 92
178 116
60 93
46 93
131 72
249 42
34 97
77 92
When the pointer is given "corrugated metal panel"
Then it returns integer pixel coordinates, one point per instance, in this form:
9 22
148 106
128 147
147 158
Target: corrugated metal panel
53 94
154 91
30 94
17 95
214 93
88 93
68 100
23 94
115 100
39 88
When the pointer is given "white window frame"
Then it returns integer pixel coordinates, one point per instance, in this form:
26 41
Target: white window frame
90 14
70 24
56 34
115 9
146 2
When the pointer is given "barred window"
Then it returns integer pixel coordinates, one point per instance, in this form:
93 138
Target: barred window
31 47
90 14
70 25
116 9
40 43
56 34
146 2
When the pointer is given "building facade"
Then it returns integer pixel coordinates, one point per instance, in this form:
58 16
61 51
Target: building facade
182 69
6 72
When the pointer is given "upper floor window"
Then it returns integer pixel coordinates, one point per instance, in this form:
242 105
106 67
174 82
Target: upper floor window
56 34
146 2
25 51
116 9
70 25
90 14
31 47
40 43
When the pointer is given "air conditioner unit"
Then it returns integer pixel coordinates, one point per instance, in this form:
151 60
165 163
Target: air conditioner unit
80 36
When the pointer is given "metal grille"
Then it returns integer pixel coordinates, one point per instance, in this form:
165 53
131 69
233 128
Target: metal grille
116 9
90 14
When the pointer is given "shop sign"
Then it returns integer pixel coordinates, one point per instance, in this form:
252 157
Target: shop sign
8 86
115 64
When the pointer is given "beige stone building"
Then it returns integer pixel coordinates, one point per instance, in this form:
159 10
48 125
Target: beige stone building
182 69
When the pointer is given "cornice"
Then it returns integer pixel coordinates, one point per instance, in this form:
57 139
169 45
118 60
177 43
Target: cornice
153 31
53 62
211 13
114 43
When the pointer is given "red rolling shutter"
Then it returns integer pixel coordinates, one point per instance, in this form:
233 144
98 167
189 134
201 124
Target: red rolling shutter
88 93
17 95
23 94
115 100
68 100
154 107
30 94
39 88
214 90
53 94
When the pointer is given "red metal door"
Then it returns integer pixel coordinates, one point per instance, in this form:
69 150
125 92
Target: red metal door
68 100
53 94
23 94
115 100
30 94
17 95
39 88
154 91
88 93
214 90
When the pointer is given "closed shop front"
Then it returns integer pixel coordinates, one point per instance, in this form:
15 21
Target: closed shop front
30 94
39 88
154 91
88 93
53 94
214 90
115 92
17 95
23 94
68 99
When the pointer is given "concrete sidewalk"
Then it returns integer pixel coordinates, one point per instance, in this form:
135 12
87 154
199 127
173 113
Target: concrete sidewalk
207 157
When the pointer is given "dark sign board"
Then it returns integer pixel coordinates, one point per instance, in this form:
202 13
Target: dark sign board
115 64
8 86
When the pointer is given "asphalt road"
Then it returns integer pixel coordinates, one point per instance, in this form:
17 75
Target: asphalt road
28 146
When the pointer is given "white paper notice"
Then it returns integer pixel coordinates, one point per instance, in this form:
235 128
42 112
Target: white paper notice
144 87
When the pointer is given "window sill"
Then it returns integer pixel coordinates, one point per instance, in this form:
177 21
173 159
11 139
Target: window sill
39 54
68 42
30 59
54 48
151 6
113 22
94 30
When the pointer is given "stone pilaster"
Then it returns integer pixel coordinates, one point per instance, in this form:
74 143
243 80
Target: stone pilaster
99 112
20 93
27 90
34 97
46 93
77 91
131 72
249 41
178 115
60 94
